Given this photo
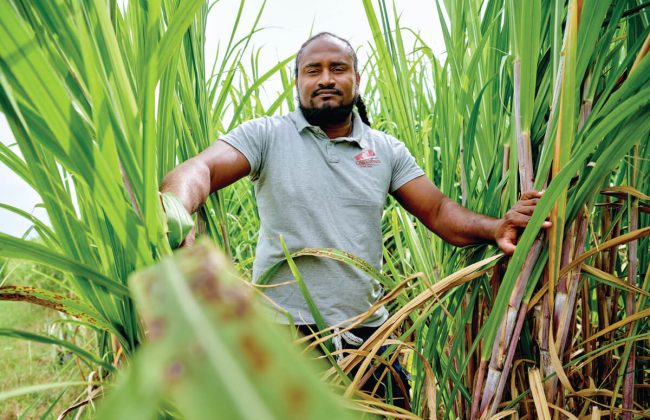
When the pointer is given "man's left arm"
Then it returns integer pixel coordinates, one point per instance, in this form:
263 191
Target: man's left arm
460 226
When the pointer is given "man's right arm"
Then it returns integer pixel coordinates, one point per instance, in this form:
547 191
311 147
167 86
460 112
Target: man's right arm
214 168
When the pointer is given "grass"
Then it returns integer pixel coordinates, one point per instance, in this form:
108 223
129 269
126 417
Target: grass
25 363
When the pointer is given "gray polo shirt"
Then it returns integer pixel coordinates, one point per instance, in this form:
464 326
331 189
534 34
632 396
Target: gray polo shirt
321 193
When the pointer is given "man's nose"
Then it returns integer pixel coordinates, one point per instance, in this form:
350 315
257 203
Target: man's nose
326 79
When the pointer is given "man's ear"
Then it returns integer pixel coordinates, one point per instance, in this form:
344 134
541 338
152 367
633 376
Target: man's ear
358 79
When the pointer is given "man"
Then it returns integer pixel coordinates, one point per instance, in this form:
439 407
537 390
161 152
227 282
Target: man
321 178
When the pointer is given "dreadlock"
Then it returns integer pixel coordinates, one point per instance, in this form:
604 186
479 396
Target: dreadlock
361 106
363 112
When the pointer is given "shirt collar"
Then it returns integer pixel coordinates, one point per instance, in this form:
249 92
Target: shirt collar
358 135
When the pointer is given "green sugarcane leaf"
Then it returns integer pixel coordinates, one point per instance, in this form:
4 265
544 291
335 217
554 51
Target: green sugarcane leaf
32 389
331 253
11 247
304 290
179 221
89 358
44 231
172 38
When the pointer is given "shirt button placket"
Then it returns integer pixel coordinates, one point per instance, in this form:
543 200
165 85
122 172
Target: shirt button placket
331 153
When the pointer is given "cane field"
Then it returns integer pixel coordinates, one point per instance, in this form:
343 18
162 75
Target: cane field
101 318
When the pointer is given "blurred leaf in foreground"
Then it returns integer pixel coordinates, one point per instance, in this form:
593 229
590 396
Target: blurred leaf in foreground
211 352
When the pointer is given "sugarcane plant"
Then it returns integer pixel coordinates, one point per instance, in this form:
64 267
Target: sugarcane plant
542 95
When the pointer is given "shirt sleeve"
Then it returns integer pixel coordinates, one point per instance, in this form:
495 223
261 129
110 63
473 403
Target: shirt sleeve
251 139
404 168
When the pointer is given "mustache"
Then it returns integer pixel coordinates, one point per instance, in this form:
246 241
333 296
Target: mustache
319 91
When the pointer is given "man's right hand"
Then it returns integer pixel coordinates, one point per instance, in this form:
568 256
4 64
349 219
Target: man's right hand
192 181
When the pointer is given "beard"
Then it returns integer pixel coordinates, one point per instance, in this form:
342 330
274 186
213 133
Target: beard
327 115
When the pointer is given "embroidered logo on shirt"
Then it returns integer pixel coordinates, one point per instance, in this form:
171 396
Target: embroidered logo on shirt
367 159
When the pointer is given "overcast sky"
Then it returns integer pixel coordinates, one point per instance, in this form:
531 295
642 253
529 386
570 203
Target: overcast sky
287 24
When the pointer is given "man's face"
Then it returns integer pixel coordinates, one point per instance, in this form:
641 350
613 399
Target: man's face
327 82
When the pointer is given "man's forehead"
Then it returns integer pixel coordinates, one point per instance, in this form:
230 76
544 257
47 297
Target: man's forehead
326 48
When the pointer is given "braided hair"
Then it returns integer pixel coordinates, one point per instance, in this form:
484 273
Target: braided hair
363 112
358 101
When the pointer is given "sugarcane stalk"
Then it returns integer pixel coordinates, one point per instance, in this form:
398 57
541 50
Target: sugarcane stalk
494 372
544 355
614 303
552 314
458 401
478 385
567 286
526 178
495 279
511 353
603 322
507 328
469 333
612 254
504 336
567 295
559 246
563 325
628 382
563 282
605 313
526 171
586 326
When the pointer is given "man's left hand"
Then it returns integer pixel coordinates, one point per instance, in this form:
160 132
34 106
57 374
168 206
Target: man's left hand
515 220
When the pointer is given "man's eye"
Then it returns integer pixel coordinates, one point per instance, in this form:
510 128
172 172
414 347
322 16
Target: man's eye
338 69
311 71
